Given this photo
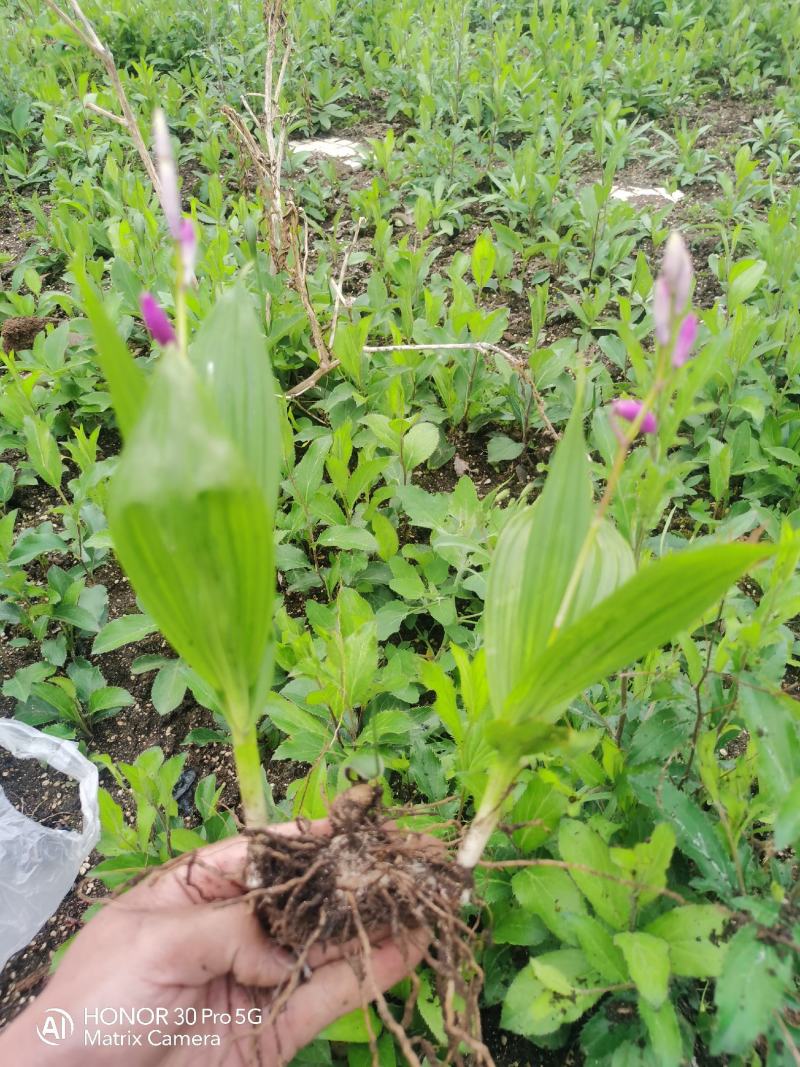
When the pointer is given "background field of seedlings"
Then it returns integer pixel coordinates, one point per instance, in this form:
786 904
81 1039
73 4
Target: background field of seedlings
497 197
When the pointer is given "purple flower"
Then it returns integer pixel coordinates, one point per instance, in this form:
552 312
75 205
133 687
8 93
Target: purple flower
167 174
684 342
187 243
629 410
155 319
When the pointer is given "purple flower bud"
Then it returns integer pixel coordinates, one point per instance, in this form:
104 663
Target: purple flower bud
167 174
662 311
684 342
187 242
629 409
155 319
676 270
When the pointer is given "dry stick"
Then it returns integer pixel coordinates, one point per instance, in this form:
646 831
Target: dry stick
87 33
453 346
339 286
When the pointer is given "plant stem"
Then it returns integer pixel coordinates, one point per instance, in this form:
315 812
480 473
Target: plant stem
501 779
248 771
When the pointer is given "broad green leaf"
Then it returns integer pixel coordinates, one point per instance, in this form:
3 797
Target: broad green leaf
743 279
662 600
648 961
533 561
193 531
43 451
483 260
533 1008
446 707
122 631
501 449
110 696
353 1027
349 538
694 935
229 353
419 444
648 862
664 1032
541 806
33 543
385 536
550 893
598 947
749 991
774 723
696 835
581 846
787 820
169 687
518 927
126 382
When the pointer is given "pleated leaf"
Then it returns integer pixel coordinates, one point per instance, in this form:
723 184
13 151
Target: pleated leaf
193 531
126 381
662 600
229 353
532 565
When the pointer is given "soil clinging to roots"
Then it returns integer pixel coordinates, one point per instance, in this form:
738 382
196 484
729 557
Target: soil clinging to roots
362 882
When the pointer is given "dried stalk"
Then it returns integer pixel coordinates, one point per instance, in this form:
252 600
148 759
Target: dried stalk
85 31
455 346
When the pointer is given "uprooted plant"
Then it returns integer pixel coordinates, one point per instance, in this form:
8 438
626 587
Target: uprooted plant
191 512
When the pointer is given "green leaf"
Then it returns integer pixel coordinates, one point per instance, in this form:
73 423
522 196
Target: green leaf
385 536
419 444
695 835
743 279
749 991
110 696
533 1008
353 1027
518 927
350 538
598 946
122 631
483 260
580 845
550 893
664 1032
662 600
193 531
693 933
648 862
532 565
169 687
648 961
541 806
126 382
33 543
230 354
774 723
501 449
43 451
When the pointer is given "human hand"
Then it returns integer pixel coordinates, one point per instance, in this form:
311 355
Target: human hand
184 952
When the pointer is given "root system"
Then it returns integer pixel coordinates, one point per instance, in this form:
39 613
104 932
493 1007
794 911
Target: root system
363 882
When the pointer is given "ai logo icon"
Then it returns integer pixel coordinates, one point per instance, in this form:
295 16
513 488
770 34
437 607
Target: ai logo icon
57 1026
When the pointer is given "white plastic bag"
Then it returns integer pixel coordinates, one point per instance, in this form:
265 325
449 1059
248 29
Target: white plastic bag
38 866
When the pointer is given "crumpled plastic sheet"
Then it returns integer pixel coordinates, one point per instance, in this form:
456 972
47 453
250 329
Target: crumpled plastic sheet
39 865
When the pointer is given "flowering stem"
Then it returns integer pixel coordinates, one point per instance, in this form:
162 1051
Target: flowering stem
602 508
